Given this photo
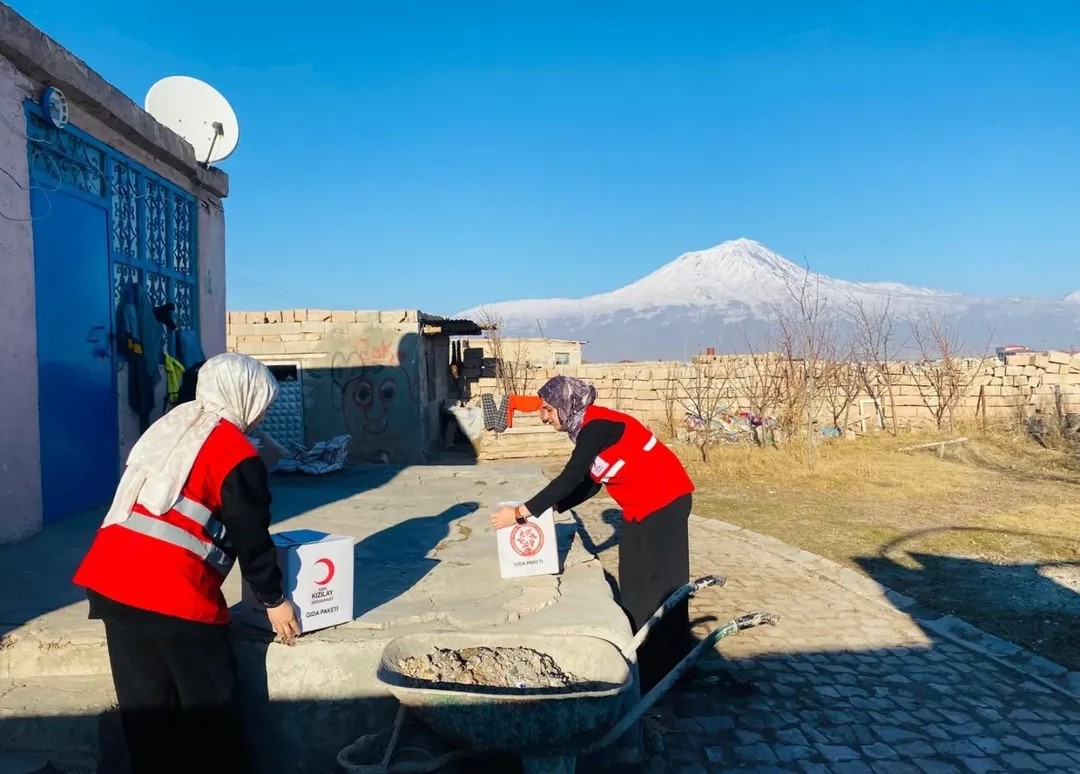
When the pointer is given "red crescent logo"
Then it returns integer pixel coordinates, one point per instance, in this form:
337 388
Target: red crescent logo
329 572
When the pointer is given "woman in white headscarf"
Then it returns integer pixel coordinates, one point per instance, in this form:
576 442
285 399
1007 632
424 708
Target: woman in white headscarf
194 499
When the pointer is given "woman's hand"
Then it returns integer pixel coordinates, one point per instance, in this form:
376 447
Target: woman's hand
503 517
283 620
270 451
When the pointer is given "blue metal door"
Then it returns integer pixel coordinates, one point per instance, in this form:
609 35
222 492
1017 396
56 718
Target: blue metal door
77 398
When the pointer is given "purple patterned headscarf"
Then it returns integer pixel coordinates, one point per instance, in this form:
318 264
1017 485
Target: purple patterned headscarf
569 397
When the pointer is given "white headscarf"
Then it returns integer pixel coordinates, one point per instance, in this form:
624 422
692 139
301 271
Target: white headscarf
233 387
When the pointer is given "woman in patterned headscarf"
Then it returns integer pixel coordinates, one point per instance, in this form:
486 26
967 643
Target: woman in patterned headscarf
652 488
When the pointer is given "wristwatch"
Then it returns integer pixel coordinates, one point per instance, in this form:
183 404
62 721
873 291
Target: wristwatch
520 517
276 603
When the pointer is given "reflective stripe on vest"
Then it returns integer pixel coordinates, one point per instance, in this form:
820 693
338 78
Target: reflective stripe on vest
201 515
615 468
618 464
176 536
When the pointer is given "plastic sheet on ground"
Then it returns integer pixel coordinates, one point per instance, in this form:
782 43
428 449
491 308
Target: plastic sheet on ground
324 457
726 426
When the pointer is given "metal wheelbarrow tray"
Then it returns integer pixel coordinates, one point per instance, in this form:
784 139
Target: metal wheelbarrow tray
547 729
488 719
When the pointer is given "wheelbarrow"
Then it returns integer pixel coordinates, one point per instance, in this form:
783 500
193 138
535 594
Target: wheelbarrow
547 730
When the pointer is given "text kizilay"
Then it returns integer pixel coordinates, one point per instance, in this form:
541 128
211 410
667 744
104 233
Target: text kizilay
317 569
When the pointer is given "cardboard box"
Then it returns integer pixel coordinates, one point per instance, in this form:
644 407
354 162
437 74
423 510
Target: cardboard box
529 549
317 569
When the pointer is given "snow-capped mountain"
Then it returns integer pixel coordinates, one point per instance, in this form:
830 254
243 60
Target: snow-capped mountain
728 294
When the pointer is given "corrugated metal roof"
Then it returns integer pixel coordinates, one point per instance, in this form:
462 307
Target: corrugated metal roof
435 325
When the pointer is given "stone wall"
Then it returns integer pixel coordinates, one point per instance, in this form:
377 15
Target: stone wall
639 389
370 374
1031 382
661 393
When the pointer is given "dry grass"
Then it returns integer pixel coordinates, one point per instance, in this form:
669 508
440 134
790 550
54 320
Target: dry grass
993 482
990 532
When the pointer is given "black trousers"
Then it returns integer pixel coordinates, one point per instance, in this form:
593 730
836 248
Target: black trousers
177 695
654 561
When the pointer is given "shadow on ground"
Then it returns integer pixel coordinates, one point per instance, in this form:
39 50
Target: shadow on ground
397 558
1035 605
611 517
42 566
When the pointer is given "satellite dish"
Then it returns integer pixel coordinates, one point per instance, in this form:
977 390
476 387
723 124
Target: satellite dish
197 112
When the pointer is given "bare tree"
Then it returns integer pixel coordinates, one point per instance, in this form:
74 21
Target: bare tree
876 346
944 376
670 397
790 373
704 388
759 381
513 371
841 390
808 336
619 387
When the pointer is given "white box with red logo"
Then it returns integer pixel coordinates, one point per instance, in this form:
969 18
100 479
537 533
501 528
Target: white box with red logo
531 548
317 572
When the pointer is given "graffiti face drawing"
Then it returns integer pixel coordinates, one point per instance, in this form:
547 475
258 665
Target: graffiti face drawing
373 385
369 401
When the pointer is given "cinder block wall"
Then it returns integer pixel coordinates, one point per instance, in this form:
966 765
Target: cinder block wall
656 392
363 373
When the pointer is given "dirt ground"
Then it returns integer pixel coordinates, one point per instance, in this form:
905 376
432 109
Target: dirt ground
990 532
519 668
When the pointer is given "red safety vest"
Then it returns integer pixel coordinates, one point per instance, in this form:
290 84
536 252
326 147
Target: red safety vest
641 474
175 563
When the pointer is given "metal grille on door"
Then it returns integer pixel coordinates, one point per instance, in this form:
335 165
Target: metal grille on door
284 420
153 241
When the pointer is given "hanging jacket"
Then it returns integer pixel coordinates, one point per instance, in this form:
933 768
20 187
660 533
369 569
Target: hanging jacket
641 474
141 341
188 347
174 564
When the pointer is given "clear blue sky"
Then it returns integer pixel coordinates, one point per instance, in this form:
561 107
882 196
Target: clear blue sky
439 155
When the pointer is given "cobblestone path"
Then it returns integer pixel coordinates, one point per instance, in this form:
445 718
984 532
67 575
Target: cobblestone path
851 681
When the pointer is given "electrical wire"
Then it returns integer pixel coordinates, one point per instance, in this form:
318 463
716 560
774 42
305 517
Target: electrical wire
34 187
248 280
126 189
21 133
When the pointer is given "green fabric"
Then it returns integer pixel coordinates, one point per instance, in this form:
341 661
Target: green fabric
174 374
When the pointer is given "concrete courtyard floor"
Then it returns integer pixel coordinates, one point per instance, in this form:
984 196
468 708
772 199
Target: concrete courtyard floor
854 679
426 560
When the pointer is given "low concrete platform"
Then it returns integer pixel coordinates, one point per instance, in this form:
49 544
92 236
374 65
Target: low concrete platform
425 560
